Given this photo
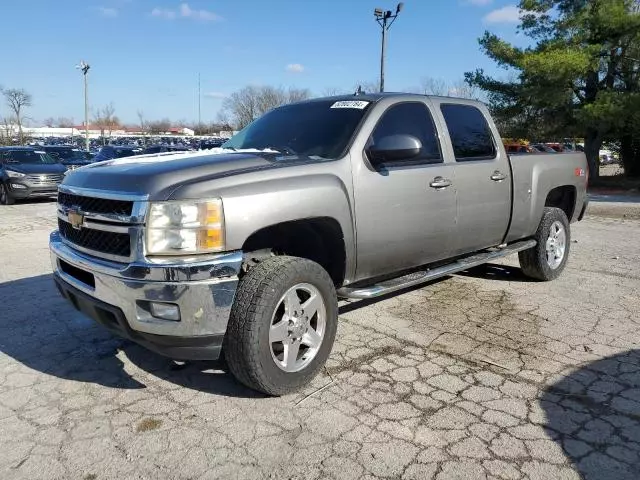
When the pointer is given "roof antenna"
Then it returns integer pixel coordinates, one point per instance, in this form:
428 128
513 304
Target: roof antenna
358 91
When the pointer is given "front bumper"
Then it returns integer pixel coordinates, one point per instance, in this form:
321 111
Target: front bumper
25 190
117 296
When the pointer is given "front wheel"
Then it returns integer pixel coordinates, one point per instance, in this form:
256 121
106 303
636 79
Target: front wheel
5 196
282 325
547 259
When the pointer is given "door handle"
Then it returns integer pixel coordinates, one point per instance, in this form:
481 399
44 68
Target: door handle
440 182
498 176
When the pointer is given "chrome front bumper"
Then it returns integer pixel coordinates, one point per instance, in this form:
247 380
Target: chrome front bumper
203 289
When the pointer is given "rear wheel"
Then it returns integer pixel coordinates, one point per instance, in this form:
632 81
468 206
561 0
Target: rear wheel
547 259
5 196
282 325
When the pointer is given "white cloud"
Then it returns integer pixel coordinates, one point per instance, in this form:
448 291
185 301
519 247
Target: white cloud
164 13
108 12
185 11
294 68
508 14
479 3
215 95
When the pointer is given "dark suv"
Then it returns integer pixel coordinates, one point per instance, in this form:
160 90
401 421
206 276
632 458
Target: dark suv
70 157
27 172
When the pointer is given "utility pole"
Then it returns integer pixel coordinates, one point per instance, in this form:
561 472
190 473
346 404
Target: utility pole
84 67
199 100
385 19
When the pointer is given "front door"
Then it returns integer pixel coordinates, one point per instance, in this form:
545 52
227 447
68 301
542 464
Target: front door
405 209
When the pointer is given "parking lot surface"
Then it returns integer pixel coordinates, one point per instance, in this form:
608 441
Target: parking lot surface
481 375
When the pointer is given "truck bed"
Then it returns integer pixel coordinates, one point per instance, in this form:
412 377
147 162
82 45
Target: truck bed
533 175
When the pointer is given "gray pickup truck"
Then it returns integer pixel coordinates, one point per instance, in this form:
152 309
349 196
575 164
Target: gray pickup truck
245 250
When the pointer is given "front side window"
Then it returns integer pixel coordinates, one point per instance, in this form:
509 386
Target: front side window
410 119
470 134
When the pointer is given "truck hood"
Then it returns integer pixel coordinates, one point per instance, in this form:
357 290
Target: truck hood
159 175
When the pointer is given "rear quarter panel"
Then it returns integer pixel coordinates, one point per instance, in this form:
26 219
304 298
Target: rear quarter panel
534 176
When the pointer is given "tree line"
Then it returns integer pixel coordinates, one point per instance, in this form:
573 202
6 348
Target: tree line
579 78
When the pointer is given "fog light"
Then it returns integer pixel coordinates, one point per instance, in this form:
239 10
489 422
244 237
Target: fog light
17 185
165 311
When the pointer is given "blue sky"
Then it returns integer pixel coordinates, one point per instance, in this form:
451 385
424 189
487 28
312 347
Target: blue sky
146 54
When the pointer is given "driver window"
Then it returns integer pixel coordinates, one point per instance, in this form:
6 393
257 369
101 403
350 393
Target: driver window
411 118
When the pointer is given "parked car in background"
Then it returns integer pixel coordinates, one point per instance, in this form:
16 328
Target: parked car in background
26 173
163 148
607 157
210 143
519 148
70 157
542 148
109 152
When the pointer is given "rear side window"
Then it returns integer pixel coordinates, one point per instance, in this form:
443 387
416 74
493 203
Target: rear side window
470 133
410 119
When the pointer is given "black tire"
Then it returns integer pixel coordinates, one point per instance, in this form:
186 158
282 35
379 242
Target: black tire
5 196
246 347
534 262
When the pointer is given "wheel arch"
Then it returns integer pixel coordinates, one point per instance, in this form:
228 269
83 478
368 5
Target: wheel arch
320 239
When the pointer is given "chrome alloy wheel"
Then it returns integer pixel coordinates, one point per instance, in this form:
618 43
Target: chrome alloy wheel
297 327
556 245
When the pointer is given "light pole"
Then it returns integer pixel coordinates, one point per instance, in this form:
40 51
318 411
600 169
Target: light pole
84 67
385 19
199 99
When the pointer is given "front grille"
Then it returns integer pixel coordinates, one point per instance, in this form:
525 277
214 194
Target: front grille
44 179
95 205
111 243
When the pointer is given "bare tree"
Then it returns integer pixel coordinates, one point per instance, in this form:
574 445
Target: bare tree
251 102
334 91
159 126
433 86
17 100
143 124
61 122
370 86
104 118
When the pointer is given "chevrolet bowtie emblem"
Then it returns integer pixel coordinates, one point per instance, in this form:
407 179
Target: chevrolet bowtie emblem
76 218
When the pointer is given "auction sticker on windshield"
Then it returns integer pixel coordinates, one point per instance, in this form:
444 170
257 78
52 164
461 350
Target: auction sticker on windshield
359 104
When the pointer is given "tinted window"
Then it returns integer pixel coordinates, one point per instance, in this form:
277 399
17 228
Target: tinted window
316 129
124 153
28 156
410 119
469 131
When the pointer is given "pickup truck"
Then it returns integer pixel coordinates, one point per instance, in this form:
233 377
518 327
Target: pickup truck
244 251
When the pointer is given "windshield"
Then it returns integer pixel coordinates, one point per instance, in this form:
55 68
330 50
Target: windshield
68 155
315 129
29 156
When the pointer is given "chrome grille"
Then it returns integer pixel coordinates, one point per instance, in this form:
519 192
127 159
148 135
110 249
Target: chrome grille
105 224
100 241
95 205
44 179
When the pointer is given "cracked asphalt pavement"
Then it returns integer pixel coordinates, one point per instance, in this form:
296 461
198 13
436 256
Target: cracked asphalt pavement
481 375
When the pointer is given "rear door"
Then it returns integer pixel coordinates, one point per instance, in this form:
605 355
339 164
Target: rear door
405 209
483 176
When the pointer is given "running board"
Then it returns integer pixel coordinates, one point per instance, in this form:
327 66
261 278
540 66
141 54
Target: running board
416 278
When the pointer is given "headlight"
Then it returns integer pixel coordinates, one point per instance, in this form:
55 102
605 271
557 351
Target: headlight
13 174
185 227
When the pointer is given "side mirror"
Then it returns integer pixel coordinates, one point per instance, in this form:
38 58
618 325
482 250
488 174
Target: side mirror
394 148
